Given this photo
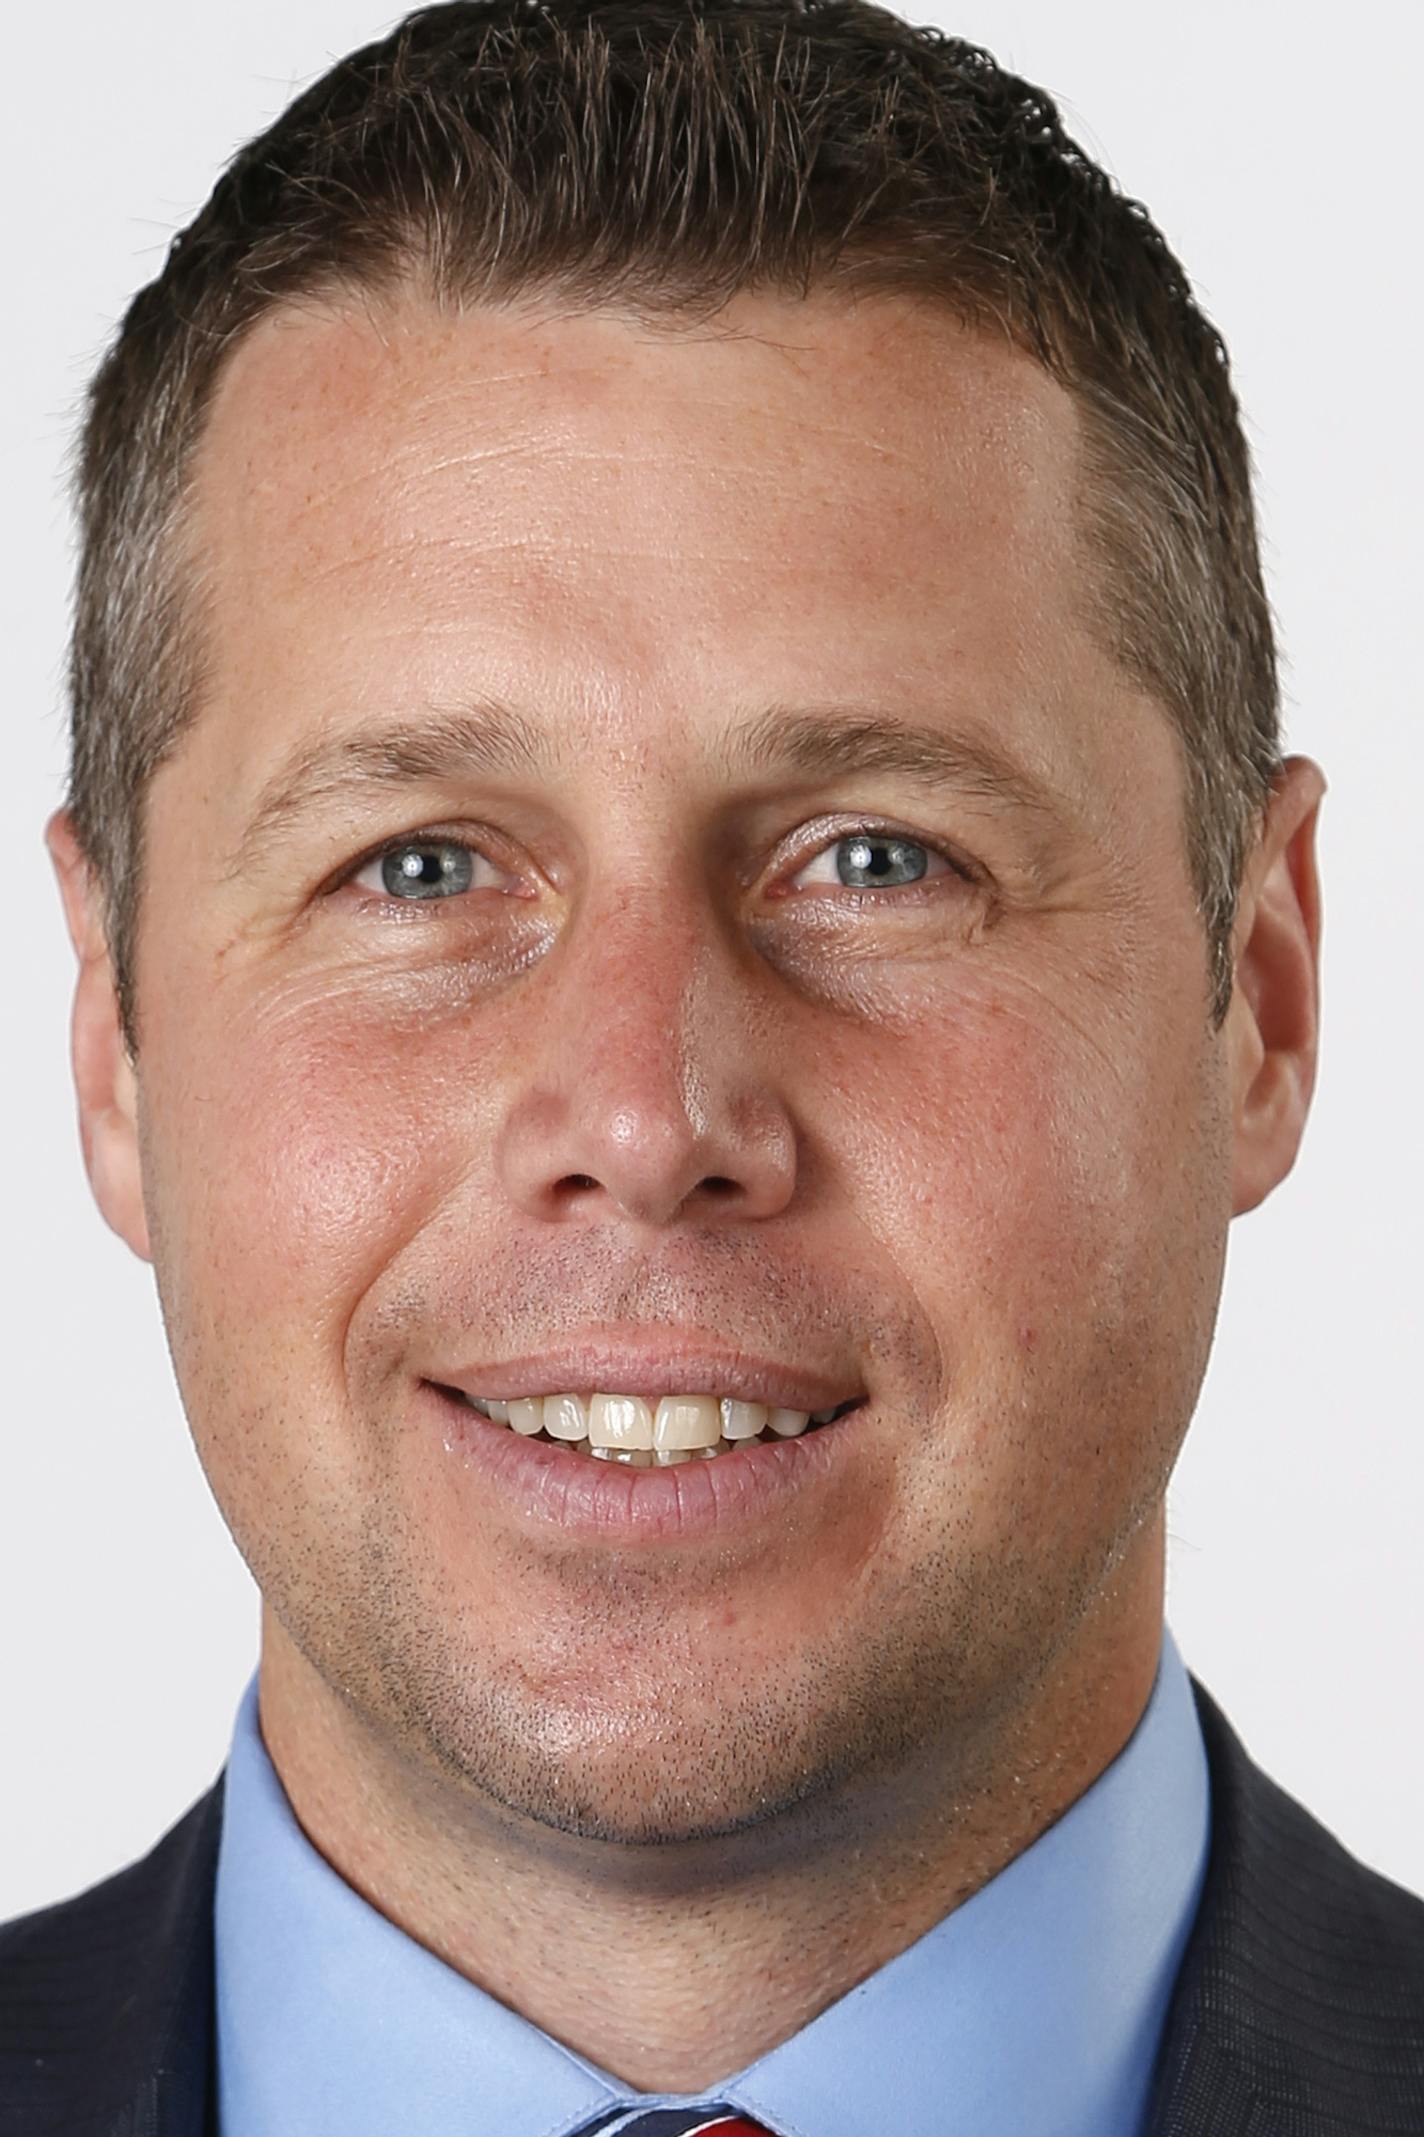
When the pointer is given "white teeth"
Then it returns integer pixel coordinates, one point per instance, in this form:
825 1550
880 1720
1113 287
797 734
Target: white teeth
645 1432
669 1457
621 1421
686 1421
742 1420
566 1417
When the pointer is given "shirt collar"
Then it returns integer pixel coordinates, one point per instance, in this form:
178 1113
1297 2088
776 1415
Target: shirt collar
1037 2004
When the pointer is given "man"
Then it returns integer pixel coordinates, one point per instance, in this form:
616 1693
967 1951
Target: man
691 928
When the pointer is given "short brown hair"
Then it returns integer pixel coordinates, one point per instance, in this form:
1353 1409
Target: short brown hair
659 156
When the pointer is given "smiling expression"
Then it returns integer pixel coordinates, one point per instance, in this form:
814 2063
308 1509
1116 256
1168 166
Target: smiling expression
663 862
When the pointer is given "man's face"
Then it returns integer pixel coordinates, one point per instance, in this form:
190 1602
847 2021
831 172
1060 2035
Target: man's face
652 1070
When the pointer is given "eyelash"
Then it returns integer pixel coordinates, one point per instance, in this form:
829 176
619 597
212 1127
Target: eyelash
904 893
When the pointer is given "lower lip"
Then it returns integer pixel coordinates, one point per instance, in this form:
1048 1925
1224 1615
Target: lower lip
552 1487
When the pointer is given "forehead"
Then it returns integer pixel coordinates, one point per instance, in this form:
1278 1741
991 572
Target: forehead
641 527
878 382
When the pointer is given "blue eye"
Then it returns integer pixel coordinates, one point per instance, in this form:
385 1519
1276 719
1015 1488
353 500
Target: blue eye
873 860
417 869
871 863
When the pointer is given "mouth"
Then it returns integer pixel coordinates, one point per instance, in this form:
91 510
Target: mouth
629 1437
649 1430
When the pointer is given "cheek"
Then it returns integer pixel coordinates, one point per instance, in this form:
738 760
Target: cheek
302 1150
974 1128
1033 1175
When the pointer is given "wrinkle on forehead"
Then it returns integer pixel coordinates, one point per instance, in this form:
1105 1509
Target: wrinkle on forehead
310 386
646 526
450 458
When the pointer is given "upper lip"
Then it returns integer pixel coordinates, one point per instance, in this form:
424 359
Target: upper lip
655 1365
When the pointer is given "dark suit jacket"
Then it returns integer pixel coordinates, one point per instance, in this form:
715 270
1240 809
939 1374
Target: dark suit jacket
1299 2010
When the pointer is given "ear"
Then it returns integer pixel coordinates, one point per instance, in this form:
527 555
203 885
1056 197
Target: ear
104 1076
1272 1027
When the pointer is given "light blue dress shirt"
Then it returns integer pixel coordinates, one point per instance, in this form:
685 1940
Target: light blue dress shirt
1033 2010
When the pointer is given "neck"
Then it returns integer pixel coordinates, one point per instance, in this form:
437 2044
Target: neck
673 1967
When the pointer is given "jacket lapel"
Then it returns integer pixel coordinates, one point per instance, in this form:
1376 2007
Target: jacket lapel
149 2066
106 2000
1299 2008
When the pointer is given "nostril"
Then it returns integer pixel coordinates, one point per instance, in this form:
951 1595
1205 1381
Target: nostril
717 1184
580 1180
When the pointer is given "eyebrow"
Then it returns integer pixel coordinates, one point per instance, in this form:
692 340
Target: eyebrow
491 739
824 741
485 738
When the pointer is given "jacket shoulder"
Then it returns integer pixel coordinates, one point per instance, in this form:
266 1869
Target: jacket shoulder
1300 2003
99 1991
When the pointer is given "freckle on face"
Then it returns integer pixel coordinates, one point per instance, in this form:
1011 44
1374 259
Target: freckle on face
1008 1205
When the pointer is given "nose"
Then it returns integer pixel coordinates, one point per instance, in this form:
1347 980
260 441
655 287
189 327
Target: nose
646 1095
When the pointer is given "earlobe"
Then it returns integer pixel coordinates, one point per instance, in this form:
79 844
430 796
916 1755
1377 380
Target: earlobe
1272 1028
105 1080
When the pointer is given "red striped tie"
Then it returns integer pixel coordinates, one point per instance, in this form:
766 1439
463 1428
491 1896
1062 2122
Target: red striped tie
728 2126
724 2126
688 2122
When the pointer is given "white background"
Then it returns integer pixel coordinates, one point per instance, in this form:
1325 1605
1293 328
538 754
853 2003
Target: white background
1280 157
